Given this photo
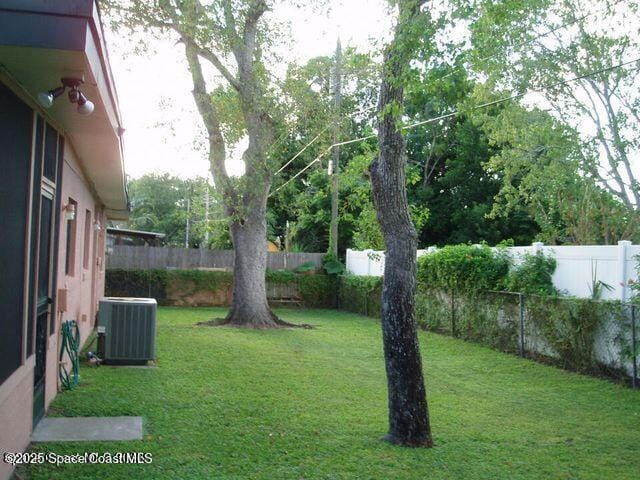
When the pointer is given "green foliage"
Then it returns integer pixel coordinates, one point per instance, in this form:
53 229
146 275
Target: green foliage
446 165
332 265
317 291
137 283
489 318
570 325
578 184
565 329
314 290
305 202
164 203
360 294
201 279
539 161
305 267
533 275
463 268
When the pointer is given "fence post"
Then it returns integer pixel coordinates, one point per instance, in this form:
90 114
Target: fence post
634 351
347 261
521 304
366 303
453 314
622 267
367 252
537 247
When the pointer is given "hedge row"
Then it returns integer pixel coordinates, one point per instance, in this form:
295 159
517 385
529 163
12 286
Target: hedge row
201 287
473 268
361 295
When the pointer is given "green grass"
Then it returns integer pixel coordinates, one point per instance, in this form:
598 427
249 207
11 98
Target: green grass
311 404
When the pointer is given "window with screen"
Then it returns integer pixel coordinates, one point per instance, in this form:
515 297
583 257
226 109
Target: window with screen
50 153
35 215
87 240
16 128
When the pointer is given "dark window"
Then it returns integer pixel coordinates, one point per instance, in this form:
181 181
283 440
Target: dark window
44 256
50 153
35 215
16 125
87 239
70 260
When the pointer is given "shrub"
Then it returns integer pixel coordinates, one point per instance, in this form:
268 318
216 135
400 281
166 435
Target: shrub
533 275
463 268
361 295
305 267
314 290
571 326
332 265
137 283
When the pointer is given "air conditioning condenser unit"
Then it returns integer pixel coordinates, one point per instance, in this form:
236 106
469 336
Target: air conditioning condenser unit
127 330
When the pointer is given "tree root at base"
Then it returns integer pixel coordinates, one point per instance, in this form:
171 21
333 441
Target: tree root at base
409 443
277 323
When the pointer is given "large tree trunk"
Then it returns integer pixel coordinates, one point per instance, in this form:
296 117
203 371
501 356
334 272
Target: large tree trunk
245 201
408 413
249 307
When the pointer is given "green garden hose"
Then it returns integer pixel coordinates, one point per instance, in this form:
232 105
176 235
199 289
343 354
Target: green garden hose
70 346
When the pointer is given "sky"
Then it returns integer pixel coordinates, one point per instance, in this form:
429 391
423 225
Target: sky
162 128
163 131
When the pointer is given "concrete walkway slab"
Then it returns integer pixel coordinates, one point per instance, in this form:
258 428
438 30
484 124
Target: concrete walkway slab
87 429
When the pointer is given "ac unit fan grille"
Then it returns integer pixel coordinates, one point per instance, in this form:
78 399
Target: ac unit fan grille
131 334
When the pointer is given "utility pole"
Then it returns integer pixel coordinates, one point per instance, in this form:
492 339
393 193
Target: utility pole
186 236
334 163
206 217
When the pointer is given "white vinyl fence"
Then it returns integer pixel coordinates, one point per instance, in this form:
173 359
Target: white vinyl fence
614 265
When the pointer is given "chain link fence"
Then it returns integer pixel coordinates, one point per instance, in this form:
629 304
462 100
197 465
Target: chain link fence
590 336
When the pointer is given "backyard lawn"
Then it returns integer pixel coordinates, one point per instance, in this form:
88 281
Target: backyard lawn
308 404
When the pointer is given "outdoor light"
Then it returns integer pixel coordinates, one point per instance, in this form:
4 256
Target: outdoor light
85 106
97 227
70 211
46 98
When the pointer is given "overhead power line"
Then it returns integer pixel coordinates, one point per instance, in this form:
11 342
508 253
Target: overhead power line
362 110
302 151
456 112
514 45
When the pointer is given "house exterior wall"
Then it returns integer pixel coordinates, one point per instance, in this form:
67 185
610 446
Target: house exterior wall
16 411
84 289
84 283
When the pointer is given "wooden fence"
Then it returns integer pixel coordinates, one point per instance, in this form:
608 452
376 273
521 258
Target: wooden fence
147 258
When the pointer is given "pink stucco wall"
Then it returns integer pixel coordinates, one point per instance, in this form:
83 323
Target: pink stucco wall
16 411
85 286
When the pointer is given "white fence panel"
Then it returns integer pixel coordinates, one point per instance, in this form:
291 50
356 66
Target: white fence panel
577 266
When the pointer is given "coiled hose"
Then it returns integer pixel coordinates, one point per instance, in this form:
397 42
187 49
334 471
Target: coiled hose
70 346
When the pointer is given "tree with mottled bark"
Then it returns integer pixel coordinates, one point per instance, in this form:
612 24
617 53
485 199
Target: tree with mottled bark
408 413
228 35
